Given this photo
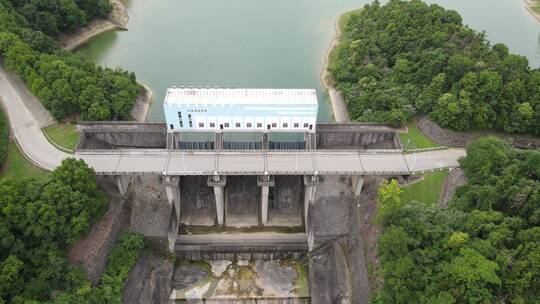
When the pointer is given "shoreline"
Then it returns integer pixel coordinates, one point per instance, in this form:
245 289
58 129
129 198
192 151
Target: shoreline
339 108
528 5
139 112
117 20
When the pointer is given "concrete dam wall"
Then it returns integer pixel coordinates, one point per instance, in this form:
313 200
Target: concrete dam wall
118 135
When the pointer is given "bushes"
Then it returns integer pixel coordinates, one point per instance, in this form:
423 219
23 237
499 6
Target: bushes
4 138
484 248
407 56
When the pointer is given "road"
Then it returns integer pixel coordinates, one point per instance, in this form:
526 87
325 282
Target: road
26 129
322 162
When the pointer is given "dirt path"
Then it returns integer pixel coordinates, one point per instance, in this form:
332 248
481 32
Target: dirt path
338 104
117 19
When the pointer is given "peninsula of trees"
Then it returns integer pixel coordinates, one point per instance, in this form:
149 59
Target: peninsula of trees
483 248
65 83
407 56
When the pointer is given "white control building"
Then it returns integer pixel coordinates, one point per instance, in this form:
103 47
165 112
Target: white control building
245 110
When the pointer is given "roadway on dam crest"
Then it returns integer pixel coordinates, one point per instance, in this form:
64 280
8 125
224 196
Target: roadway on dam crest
322 162
26 130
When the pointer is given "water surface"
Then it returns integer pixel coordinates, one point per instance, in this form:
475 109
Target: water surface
264 43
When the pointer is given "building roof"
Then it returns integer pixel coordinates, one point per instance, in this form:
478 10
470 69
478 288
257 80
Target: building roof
211 96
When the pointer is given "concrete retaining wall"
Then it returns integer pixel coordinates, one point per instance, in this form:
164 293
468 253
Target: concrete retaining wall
111 135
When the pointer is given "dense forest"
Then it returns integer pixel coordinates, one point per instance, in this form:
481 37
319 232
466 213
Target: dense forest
4 138
407 56
53 17
483 248
64 82
38 221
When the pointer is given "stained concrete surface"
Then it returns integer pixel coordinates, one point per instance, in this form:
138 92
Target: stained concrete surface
337 264
242 201
151 211
198 205
225 279
149 281
285 202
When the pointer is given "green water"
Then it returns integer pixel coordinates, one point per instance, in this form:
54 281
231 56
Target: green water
263 43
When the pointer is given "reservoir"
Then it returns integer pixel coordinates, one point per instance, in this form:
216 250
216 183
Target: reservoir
264 43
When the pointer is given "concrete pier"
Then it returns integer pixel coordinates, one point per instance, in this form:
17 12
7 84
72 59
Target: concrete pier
219 182
357 184
172 188
265 182
123 181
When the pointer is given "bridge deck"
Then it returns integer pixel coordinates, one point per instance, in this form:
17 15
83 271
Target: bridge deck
362 162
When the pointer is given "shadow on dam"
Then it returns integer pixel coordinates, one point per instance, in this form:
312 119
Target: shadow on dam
242 203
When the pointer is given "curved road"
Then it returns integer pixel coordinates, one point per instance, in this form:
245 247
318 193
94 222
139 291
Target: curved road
27 132
26 129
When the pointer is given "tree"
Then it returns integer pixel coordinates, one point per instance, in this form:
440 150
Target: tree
389 200
469 277
11 278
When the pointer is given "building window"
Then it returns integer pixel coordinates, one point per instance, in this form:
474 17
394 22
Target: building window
212 125
259 125
306 125
285 125
274 125
248 125
237 125
171 126
296 125
226 125
201 125
181 123
190 121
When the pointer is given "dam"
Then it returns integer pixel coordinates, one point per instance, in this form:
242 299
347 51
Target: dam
250 192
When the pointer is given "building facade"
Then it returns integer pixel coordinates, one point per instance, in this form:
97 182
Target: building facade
241 110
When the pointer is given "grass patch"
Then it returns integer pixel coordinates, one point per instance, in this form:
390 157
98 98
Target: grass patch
426 191
301 282
233 230
415 139
536 6
63 134
18 168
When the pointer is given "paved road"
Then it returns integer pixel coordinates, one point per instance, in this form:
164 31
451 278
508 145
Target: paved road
321 162
26 130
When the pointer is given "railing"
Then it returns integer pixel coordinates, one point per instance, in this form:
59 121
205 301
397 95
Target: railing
425 149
